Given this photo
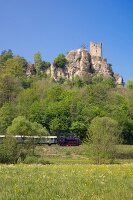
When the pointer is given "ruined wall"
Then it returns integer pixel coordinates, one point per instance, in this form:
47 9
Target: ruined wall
101 67
96 49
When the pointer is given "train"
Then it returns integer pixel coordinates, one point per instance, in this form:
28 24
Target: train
49 140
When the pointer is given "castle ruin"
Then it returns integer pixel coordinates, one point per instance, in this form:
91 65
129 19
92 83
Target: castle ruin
81 63
96 49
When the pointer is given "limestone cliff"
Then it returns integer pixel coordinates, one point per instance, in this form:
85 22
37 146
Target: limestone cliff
78 64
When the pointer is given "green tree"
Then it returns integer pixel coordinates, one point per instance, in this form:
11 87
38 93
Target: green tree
9 152
130 84
60 61
24 101
78 129
36 112
77 81
104 134
45 65
129 97
117 109
59 125
21 126
10 87
38 62
16 66
7 114
5 55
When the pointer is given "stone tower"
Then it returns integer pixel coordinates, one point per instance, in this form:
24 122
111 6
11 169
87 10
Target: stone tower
96 49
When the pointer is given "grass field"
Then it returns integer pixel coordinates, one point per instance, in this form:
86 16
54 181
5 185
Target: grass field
79 155
66 182
70 176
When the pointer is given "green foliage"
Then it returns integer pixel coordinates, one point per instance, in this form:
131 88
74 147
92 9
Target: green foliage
24 101
7 114
16 66
60 61
9 88
103 136
61 182
127 132
130 84
117 109
107 82
130 103
78 129
36 160
5 55
40 66
9 152
45 65
22 126
64 108
77 81
38 62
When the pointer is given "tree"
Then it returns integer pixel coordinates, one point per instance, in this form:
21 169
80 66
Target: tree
21 126
104 134
16 66
9 152
38 62
59 125
7 114
130 84
117 109
45 65
77 81
24 101
9 88
78 129
5 55
60 61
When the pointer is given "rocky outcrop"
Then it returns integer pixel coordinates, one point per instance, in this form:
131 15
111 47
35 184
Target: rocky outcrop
118 79
30 70
78 63
101 67
81 63
58 73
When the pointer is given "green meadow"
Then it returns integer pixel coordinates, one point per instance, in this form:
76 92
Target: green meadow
68 174
66 182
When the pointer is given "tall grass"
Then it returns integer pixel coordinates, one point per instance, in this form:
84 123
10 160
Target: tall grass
66 182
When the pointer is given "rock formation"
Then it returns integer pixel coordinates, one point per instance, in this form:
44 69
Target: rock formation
81 63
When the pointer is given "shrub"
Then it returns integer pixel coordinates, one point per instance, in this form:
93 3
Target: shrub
103 136
60 61
9 151
36 160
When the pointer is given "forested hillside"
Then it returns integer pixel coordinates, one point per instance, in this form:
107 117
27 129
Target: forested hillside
66 107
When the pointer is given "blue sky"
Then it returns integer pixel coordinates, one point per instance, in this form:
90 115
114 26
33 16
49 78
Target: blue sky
57 26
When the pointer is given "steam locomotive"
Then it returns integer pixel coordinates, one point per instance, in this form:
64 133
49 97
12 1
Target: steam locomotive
49 140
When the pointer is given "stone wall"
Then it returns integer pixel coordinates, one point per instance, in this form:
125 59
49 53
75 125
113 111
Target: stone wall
96 49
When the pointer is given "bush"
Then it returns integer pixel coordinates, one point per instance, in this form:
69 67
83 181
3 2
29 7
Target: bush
103 136
31 160
36 160
60 61
9 152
